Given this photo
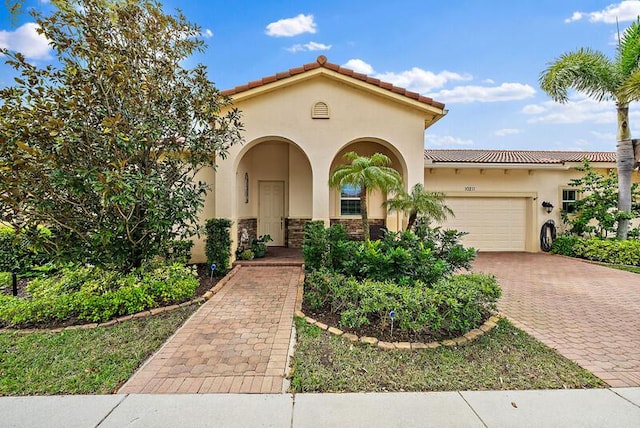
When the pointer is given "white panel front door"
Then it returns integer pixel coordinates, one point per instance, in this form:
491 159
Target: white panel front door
493 224
271 211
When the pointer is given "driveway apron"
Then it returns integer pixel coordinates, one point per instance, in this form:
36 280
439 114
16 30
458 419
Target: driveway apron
588 313
238 341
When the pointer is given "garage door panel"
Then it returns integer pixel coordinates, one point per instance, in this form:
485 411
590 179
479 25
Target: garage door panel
493 224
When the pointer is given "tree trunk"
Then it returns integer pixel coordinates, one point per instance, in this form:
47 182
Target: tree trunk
364 214
412 219
625 162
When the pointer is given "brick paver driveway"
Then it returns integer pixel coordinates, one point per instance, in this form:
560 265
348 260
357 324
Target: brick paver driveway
589 313
237 341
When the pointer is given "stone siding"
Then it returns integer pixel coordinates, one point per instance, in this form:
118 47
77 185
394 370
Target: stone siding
294 231
251 224
354 225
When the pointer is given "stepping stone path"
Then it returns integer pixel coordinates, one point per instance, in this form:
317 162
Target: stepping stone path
237 342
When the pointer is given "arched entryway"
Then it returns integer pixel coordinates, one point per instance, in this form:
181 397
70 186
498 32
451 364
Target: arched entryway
273 191
344 203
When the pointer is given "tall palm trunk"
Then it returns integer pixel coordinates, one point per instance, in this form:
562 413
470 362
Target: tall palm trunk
625 161
364 214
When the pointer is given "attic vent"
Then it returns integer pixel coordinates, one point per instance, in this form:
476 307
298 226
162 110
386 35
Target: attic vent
320 110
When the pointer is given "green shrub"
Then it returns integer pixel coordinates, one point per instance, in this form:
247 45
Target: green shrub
325 247
609 251
565 245
218 245
23 250
94 294
179 251
451 306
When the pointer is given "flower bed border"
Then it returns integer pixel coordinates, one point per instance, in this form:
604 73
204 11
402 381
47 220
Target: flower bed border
469 336
144 314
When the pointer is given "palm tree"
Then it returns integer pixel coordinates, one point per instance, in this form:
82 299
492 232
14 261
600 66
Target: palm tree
419 202
367 173
592 73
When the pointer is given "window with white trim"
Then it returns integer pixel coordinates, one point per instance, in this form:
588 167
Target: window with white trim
569 198
350 199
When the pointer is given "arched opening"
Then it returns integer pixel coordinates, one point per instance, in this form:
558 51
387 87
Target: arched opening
273 191
344 203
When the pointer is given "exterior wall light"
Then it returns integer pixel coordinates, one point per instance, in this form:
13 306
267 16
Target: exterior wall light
548 206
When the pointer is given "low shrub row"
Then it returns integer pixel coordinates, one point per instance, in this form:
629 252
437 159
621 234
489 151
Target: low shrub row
403 257
449 306
91 293
597 249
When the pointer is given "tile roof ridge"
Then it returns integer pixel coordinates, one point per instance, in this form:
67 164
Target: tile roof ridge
322 62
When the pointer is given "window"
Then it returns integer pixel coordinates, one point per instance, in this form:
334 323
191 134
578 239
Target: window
350 200
569 198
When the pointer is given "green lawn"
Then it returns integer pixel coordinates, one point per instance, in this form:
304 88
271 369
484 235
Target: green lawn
95 361
505 358
626 268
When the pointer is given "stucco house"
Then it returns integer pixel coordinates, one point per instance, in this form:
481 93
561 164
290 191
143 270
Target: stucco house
299 124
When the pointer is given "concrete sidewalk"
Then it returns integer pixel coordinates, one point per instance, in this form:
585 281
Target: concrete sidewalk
616 407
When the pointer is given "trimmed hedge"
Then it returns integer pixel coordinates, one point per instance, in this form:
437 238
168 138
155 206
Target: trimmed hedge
95 294
218 244
450 306
610 251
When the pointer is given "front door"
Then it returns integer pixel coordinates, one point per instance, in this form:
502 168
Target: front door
271 211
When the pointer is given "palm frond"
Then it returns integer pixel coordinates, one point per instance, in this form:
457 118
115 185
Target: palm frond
630 89
628 56
585 70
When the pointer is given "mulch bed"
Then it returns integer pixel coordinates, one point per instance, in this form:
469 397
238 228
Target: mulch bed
379 330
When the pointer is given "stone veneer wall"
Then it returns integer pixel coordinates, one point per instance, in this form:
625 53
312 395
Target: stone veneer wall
294 231
251 224
354 225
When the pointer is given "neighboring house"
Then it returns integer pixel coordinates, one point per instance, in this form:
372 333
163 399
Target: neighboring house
299 124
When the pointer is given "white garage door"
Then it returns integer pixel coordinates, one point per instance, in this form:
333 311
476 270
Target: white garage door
493 224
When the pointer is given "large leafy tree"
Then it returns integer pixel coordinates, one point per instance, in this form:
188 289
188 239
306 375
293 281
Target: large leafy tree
367 173
429 205
594 74
104 146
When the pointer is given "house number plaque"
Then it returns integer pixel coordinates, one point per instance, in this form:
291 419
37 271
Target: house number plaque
470 188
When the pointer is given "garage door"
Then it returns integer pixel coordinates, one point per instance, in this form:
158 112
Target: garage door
493 224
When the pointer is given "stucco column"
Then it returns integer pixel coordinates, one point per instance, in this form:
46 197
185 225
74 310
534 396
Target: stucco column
225 196
415 166
320 168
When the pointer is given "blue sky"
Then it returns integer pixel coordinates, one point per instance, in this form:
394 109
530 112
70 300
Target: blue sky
481 58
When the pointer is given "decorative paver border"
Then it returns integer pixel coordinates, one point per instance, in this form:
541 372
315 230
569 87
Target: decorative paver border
150 312
470 336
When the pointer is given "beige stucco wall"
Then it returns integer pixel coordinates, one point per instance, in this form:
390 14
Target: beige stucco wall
536 185
284 142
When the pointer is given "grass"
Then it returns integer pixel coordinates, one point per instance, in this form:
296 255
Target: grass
95 361
505 358
633 269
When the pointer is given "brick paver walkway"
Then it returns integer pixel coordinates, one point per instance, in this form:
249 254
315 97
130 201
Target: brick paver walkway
238 341
588 313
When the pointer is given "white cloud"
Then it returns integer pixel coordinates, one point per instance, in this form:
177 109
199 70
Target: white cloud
311 46
627 10
359 66
207 33
609 136
489 81
485 94
507 131
26 40
435 140
290 27
578 110
420 80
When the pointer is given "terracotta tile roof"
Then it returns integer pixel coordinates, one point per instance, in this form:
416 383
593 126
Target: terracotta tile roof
321 61
515 156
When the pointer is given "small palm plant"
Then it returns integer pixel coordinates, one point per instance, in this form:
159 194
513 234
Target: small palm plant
429 205
366 173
